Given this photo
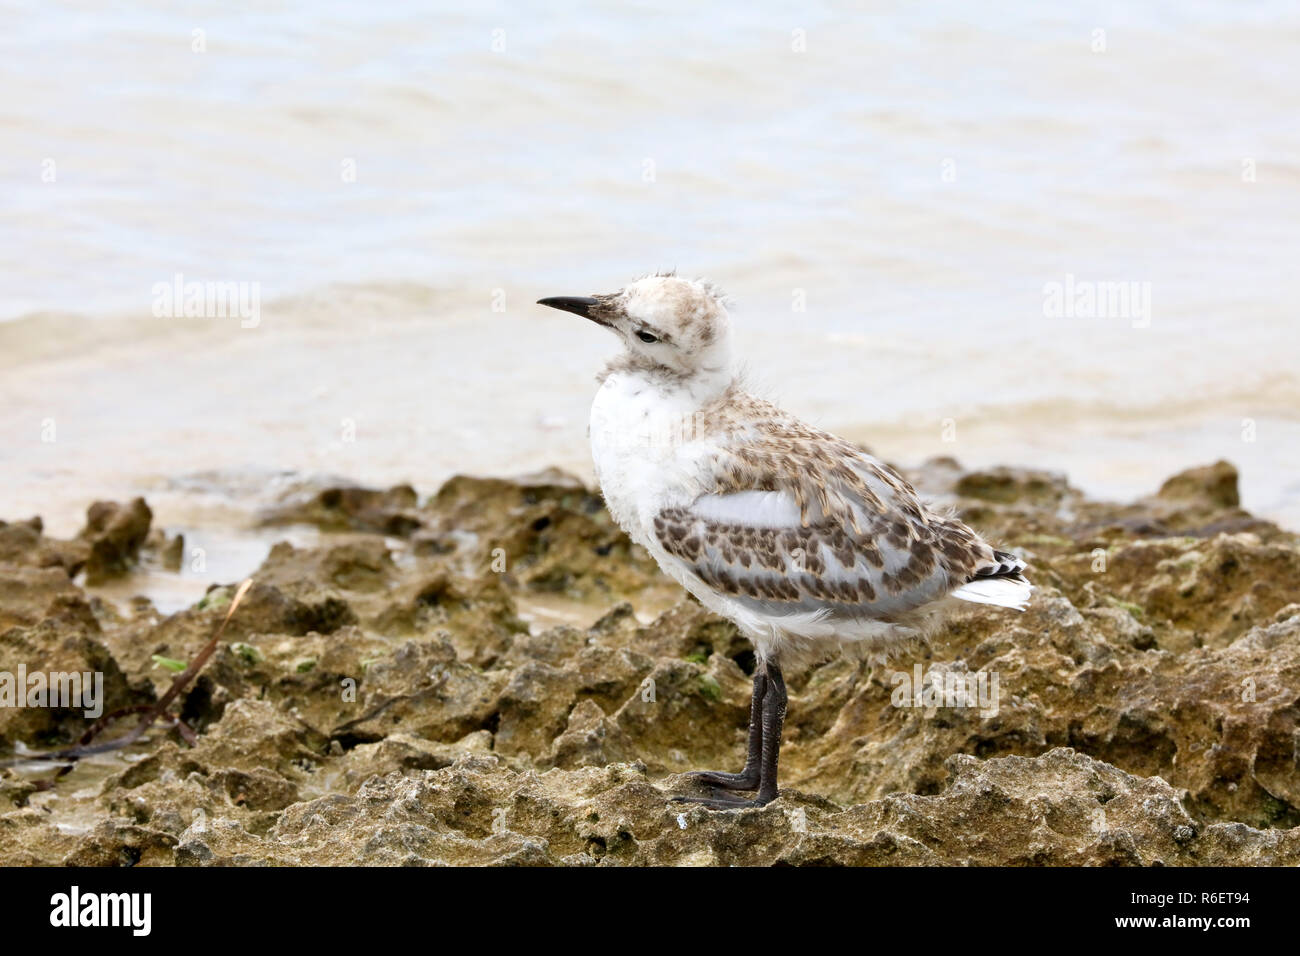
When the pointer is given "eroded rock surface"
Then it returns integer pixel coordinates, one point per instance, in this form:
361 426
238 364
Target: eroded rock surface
408 692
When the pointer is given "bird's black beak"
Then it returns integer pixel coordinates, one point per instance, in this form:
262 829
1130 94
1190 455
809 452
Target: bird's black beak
577 304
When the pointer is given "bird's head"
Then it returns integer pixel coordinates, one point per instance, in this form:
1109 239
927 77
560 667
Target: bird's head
669 326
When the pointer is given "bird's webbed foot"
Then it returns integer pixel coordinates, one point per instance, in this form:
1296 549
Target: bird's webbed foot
719 801
745 780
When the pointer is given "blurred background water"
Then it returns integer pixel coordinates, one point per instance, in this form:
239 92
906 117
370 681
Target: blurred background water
885 189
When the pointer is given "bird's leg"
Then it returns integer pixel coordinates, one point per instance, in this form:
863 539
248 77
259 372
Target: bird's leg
773 724
748 778
772 721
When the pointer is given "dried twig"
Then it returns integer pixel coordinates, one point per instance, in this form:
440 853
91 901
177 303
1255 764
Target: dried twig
152 712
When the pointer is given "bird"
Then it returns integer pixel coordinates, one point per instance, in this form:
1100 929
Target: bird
804 540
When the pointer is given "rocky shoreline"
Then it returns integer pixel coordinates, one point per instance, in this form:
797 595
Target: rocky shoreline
403 694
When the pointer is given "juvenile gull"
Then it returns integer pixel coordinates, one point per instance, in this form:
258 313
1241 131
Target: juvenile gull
801 538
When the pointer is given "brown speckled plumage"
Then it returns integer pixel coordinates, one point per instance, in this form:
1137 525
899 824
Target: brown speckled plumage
864 543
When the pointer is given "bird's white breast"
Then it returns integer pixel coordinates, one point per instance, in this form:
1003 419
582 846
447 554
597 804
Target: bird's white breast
646 454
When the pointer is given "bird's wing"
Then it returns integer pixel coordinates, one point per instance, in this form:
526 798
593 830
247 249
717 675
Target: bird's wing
795 520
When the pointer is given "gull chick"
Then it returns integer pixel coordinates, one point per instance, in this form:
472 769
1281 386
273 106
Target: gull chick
801 538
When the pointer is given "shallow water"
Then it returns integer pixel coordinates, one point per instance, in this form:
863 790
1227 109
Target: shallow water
71 798
888 207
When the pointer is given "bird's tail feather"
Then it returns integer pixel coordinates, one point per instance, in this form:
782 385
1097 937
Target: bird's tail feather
1000 583
1010 591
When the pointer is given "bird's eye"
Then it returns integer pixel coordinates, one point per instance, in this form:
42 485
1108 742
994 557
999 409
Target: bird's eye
647 338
